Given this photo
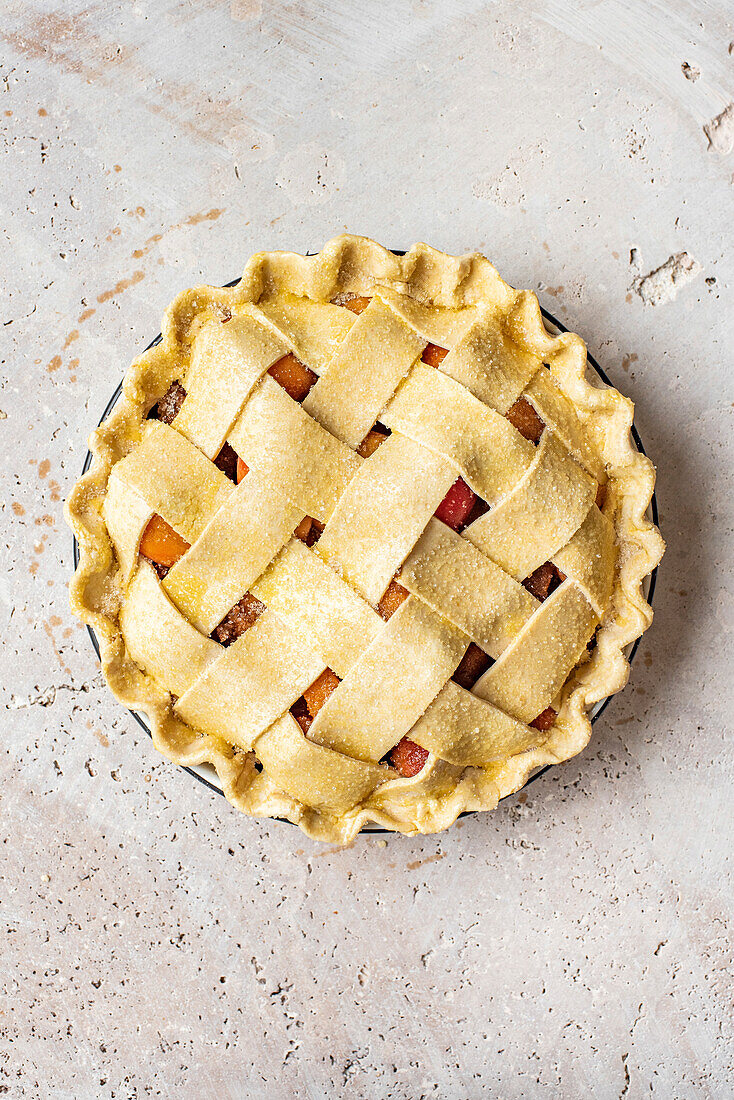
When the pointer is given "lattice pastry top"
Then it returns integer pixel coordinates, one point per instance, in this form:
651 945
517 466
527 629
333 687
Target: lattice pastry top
361 534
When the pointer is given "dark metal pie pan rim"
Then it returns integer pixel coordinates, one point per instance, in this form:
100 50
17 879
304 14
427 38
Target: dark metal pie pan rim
601 708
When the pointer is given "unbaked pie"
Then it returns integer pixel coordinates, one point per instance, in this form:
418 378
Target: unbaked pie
361 534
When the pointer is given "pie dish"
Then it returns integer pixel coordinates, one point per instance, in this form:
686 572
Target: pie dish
363 535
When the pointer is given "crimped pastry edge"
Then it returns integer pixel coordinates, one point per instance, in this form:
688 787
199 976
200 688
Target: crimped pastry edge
431 801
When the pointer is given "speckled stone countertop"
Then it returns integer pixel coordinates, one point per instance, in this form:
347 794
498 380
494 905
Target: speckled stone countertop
575 942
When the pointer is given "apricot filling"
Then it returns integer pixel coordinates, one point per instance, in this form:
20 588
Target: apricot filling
308 705
434 355
407 758
295 378
523 416
372 441
161 544
392 598
356 302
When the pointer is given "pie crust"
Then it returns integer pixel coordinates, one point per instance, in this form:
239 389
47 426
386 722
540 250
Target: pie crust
231 706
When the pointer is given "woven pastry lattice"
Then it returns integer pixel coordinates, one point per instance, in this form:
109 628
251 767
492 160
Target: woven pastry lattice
232 705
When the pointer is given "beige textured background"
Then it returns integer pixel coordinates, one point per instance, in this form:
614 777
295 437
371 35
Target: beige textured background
573 944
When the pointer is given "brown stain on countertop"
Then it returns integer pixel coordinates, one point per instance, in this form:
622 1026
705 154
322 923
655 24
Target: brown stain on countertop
416 863
194 219
101 737
121 286
333 851
52 36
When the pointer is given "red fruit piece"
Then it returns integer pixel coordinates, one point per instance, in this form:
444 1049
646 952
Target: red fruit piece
456 506
408 758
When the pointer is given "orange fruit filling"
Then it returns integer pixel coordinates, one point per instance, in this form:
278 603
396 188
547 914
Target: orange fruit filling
392 599
295 378
357 304
408 758
161 544
434 355
524 417
371 442
320 690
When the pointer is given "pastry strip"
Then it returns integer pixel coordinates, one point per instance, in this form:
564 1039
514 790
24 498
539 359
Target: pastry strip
293 452
555 410
239 541
434 410
533 669
315 602
126 515
392 683
312 330
175 479
589 559
159 638
254 681
227 360
539 516
444 327
379 517
490 365
316 776
468 731
467 588
375 354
